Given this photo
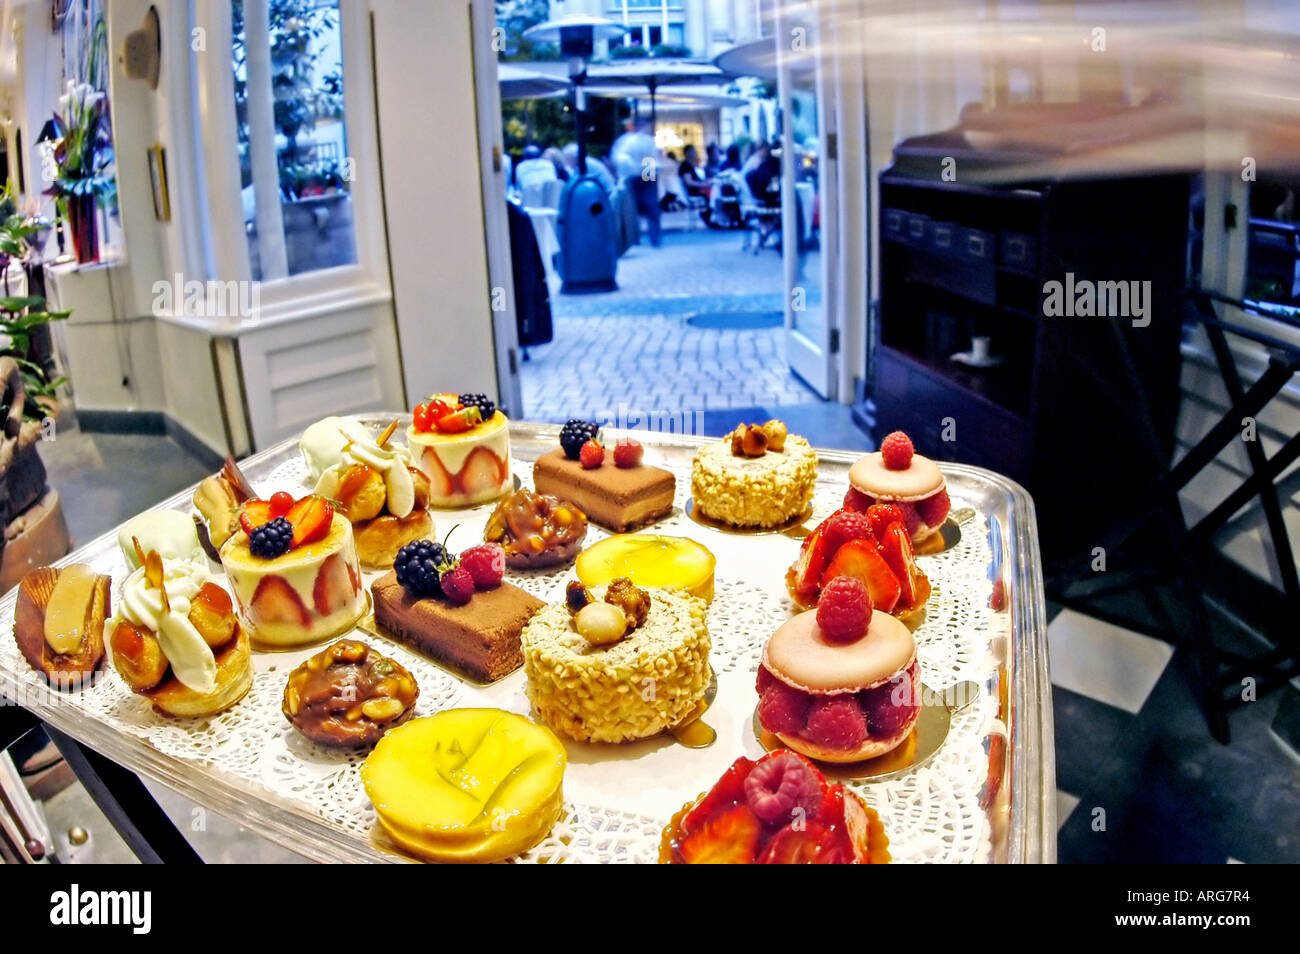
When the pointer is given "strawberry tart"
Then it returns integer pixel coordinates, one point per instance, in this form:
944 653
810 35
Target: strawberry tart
874 548
897 475
777 811
292 565
841 684
461 442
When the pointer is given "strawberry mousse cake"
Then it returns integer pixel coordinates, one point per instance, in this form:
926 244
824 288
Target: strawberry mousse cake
461 442
874 548
779 810
842 683
292 565
897 475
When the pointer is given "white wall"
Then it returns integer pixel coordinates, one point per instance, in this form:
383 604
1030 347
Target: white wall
433 196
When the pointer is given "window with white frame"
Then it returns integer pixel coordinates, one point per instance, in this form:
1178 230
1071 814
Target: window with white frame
294 166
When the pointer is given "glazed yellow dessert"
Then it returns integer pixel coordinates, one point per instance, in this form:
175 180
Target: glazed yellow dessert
756 477
467 785
649 559
632 684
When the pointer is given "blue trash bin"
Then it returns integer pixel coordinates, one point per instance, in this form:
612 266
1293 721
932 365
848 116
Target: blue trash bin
588 256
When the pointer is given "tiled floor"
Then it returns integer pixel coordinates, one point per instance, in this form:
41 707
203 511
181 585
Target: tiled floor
1139 778
633 347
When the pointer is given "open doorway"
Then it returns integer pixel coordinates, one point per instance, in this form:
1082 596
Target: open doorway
697 299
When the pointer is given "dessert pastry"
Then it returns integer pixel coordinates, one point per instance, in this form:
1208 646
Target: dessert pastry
59 623
840 684
777 811
348 696
758 477
218 500
462 444
170 532
458 611
875 548
293 568
615 490
175 639
650 559
910 481
322 444
536 530
467 785
617 663
376 486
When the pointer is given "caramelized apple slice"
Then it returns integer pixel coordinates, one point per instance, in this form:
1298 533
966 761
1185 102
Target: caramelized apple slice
137 656
213 615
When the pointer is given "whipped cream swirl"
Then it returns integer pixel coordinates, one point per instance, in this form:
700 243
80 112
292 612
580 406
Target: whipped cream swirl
191 658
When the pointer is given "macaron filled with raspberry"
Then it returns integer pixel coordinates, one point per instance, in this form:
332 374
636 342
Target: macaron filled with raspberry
897 475
840 683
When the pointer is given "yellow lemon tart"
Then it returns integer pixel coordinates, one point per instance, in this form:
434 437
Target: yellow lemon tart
467 785
649 559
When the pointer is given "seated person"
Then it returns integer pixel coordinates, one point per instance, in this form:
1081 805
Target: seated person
692 176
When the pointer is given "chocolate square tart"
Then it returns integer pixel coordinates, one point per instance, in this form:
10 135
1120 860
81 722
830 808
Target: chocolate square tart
620 498
479 639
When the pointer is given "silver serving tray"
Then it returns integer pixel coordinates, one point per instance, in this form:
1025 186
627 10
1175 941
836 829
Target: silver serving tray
1018 801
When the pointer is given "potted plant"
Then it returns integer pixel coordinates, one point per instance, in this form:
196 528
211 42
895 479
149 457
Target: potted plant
34 531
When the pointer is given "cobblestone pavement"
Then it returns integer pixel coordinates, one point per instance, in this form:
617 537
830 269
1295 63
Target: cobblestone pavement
633 346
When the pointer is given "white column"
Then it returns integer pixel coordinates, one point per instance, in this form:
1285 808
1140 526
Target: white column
261 140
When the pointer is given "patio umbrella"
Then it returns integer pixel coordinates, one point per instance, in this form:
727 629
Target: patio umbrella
520 82
757 58
651 74
577 36
707 97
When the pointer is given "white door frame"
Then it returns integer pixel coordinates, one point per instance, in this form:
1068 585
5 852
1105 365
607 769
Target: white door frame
496 222
813 360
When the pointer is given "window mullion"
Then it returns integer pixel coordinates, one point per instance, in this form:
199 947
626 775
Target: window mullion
261 141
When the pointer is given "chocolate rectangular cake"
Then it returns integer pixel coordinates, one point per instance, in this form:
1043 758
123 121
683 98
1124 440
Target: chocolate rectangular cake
620 498
479 638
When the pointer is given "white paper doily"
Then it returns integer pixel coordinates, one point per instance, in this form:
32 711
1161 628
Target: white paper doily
618 798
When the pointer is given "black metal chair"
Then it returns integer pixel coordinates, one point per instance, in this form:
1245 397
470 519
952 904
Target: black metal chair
1168 579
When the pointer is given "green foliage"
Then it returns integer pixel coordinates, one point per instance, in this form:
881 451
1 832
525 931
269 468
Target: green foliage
629 51
20 318
516 16
301 99
666 50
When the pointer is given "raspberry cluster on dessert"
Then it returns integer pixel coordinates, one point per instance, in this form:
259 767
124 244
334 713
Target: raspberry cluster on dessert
456 609
873 547
897 475
613 488
461 442
778 810
293 567
840 684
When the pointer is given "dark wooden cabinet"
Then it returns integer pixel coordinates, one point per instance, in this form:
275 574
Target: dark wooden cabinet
1081 409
